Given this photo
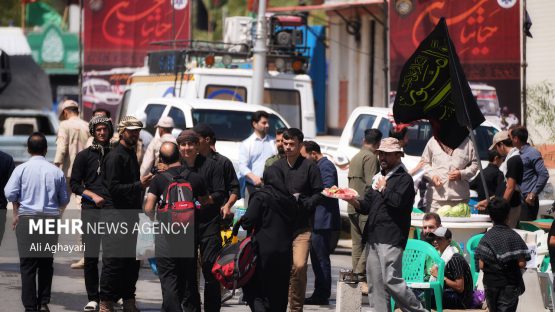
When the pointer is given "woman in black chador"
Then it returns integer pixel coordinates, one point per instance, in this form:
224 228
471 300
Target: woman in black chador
271 214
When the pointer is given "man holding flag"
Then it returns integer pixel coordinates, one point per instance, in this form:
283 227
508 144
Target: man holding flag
432 86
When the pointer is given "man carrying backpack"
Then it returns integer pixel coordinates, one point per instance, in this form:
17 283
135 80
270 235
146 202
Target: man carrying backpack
174 251
207 223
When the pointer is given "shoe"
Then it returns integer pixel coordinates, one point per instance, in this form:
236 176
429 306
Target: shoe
316 301
106 306
79 264
44 308
364 288
92 306
129 305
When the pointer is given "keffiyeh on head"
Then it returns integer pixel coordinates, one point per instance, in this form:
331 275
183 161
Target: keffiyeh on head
101 120
103 149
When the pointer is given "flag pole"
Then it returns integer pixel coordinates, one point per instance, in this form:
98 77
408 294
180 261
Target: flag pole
451 50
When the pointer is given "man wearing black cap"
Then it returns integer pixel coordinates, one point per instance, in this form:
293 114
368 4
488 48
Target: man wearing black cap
120 173
206 221
206 141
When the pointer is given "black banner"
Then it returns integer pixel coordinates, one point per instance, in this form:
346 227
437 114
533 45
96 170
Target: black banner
433 86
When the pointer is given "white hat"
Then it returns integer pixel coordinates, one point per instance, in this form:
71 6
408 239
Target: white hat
166 122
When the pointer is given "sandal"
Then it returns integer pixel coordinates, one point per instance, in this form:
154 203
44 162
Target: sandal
91 306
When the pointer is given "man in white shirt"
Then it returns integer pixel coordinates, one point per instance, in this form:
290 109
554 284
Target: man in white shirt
254 151
165 126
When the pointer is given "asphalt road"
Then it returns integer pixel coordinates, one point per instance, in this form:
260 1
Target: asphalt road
68 286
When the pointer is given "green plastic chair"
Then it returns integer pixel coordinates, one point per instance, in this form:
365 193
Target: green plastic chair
414 258
528 227
470 247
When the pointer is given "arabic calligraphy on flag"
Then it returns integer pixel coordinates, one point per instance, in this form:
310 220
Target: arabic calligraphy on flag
432 86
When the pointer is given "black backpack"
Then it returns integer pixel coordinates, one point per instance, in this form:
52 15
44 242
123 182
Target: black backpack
178 205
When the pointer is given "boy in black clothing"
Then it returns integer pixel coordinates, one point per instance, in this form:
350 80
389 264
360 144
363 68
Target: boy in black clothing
495 181
502 254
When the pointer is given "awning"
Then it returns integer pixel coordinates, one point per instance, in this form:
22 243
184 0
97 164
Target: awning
325 6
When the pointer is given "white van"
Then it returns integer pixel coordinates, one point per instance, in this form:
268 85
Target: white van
98 93
288 94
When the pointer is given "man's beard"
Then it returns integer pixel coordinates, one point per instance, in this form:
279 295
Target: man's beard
281 151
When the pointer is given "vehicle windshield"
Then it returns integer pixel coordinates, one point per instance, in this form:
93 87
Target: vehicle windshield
419 134
102 88
231 125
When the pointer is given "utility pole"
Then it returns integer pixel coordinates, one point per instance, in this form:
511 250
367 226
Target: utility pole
259 55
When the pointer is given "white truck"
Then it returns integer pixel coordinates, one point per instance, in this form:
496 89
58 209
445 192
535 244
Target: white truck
419 133
17 124
286 93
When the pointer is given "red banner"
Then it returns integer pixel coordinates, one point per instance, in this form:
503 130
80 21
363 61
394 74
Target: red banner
118 33
486 35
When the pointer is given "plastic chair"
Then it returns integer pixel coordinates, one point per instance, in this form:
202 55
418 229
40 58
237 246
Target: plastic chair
470 247
528 227
414 258
416 210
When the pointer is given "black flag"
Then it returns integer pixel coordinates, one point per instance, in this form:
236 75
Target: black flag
432 86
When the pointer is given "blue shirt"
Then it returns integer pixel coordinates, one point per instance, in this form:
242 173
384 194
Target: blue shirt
535 175
39 187
253 153
6 169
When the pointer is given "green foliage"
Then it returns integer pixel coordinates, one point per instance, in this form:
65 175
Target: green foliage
541 108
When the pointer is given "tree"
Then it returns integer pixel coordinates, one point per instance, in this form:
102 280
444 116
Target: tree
541 109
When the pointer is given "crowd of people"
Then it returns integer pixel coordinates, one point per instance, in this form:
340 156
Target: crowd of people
111 168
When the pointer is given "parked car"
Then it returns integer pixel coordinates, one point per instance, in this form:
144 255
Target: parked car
17 125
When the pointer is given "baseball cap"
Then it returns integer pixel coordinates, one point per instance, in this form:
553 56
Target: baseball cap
130 123
442 232
499 137
390 145
188 135
166 122
67 104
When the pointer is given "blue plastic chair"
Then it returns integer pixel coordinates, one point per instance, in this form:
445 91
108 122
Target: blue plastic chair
414 260
470 247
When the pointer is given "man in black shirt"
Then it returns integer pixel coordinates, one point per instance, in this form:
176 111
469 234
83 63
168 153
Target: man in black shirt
304 182
121 177
86 181
6 168
495 181
388 204
207 220
174 251
513 170
207 143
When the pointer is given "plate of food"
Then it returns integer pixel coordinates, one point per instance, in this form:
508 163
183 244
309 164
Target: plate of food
341 193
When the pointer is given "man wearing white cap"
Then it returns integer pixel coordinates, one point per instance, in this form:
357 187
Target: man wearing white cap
165 126
388 204
73 134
